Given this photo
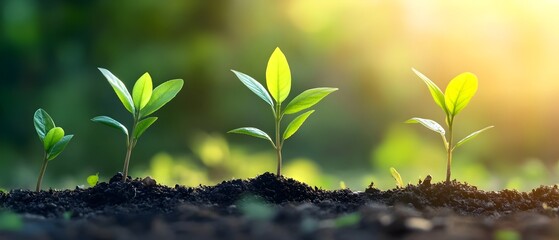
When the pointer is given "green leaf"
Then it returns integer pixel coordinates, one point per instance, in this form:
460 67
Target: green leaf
161 95
142 91
296 124
459 92
59 147
307 99
111 123
254 132
436 92
143 126
428 123
92 180
255 87
472 135
278 76
53 136
43 123
120 90
397 177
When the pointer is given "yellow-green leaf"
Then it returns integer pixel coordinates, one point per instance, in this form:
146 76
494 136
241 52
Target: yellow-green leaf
296 124
92 180
307 99
120 90
278 76
459 92
254 132
397 177
141 93
52 137
58 147
436 92
429 124
161 95
472 135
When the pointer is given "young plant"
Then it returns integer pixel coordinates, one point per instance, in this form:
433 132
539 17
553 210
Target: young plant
92 180
457 95
397 177
53 138
143 102
278 81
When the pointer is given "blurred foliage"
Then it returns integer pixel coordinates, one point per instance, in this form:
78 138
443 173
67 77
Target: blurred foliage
50 52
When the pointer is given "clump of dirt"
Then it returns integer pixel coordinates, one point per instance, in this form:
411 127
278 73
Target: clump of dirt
275 207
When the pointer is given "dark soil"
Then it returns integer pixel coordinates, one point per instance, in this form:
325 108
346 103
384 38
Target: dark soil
268 207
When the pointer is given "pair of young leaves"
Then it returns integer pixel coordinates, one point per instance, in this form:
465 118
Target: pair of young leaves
458 94
278 81
144 101
53 138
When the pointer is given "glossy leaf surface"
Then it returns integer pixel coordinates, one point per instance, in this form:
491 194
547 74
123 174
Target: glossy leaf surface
278 76
120 90
143 126
43 123
428 123
307 99
59 147
459 92
255 87
111 123
161 95
296 124
53 136
141 93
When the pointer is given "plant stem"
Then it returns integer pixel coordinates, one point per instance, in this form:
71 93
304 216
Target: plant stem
42 173
278 138
449 151
126 162
131 142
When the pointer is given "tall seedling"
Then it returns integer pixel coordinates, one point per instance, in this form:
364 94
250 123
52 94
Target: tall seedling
53 138
278 81
143 102
457 95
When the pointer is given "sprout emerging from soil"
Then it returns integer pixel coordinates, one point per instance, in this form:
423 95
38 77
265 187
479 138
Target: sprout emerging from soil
92 180
457 95
278 81
143 102
53 138
397 177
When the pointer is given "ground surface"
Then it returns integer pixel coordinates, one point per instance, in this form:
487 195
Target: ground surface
268 207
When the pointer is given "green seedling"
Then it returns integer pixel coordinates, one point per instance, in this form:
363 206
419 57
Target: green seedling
457 95
397 177
92 180
143 102
342 185
53 138
278 81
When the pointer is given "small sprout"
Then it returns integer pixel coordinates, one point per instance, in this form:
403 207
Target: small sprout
397 177
278 81
92 180
141 103
342 185
53 138
457 95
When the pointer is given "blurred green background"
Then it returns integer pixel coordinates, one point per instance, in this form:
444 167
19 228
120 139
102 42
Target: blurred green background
50 51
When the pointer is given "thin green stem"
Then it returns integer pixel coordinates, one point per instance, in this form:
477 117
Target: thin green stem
42 173
279 144
449 150
130 143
